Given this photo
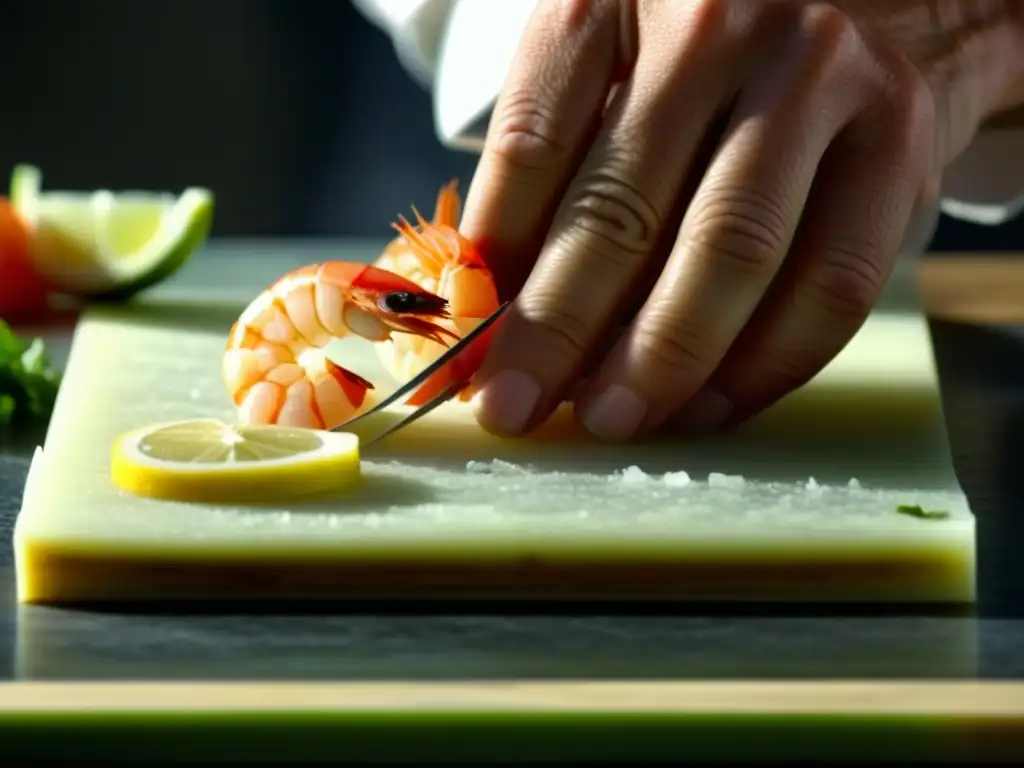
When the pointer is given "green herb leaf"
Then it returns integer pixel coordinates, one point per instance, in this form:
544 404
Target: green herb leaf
916 510
28 381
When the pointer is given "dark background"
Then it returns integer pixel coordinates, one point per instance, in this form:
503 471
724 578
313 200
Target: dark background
296 113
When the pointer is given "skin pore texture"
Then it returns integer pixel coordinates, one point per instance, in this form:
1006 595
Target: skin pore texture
697 202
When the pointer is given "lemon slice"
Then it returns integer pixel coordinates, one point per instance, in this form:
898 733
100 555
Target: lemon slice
107 245
208 460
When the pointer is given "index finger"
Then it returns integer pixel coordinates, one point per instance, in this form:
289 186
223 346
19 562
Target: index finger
549 107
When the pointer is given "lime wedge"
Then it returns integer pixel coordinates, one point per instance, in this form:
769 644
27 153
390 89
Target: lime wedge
208 460
107 245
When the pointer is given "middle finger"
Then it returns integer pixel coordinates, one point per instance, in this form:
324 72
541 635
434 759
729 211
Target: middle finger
604 232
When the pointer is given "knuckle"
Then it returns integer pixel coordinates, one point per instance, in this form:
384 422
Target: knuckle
702 28
832 30
710 21
911 105
560 332
614 213
829 41
575 15
849 279
791 367
742 227
527 134
667 343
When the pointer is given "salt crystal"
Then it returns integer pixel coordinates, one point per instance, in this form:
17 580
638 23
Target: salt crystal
854 484
195 394
373 520
812 484
720 480
634 474
676 479
479 467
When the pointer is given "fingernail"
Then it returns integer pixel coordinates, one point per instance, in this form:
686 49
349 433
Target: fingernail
706 412
615 414
507 401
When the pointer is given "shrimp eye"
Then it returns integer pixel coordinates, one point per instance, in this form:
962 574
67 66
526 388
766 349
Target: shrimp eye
400 301
413 303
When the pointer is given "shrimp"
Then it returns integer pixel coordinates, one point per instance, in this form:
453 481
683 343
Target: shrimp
274 364
435 257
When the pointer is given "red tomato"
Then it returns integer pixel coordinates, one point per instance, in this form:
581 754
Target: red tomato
22 290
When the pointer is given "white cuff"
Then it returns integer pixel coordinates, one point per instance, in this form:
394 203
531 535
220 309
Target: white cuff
985 185
480 42
461 49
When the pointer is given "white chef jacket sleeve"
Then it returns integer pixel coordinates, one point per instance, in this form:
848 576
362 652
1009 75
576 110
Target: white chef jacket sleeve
461 49
416 27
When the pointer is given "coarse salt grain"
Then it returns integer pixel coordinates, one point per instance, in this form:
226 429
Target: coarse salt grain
676 479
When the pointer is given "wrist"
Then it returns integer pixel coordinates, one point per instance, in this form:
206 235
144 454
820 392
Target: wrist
971 53
1007 110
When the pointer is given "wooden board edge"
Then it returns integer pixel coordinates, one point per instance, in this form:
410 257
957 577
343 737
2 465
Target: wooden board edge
867 697
978 289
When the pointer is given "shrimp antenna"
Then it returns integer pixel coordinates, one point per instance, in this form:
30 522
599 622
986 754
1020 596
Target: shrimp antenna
427 246
419 218
404 228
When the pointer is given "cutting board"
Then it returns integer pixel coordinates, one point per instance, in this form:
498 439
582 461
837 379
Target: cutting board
801 504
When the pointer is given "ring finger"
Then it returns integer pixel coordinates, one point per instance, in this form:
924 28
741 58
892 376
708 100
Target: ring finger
732 241
840 263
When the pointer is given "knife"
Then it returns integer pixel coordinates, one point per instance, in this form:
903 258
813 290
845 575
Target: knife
416 381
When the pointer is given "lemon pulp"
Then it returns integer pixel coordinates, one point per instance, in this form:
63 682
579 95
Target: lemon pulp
209 460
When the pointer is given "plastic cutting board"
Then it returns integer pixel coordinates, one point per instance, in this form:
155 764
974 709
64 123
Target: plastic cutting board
799 505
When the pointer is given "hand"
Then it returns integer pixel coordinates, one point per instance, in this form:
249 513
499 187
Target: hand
730 179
